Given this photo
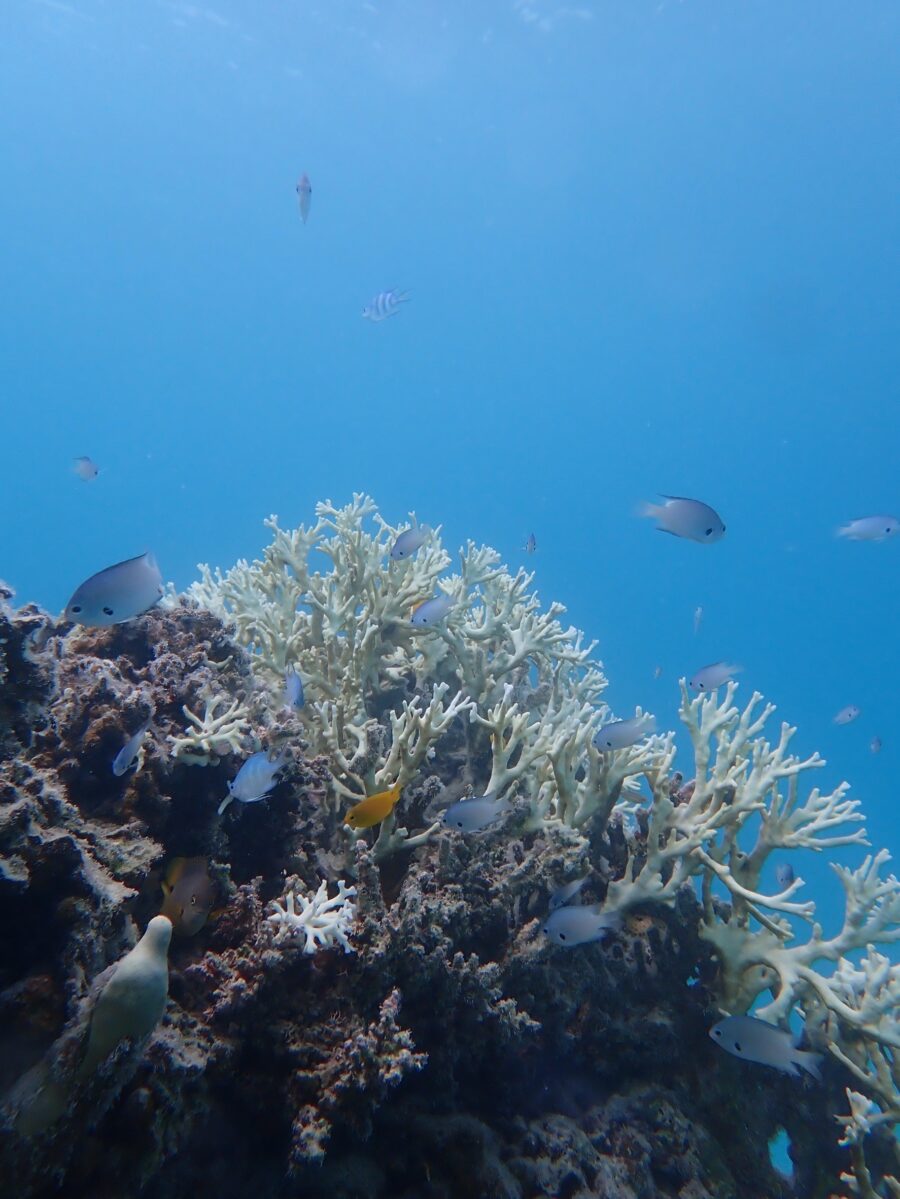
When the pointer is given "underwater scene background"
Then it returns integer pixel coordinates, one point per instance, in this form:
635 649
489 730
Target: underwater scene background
648 249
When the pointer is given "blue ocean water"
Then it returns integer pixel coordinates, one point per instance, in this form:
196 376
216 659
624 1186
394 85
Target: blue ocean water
651 247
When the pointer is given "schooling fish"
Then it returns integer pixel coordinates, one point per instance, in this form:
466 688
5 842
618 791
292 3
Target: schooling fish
431 612
580 926
530 544
846 715
756 1041
784 875
473 815
304 194
85 469
567 893
870 528
254 780
293 689
189 894
708 678
622 733
685 518
373 809
117 594
409 541
124 759
385 304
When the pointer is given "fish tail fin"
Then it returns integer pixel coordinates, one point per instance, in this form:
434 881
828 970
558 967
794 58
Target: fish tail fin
224 804
646 509
843 530
401 296
810 1062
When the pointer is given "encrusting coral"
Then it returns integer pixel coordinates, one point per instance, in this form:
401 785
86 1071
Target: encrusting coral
455 1050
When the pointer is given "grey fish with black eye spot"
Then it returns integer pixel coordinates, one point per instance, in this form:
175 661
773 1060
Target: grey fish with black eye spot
431 612
708 678
409 541
756 1041
620 734
846 715
683 517
473 815
117 594
580 926
126 756
784 875
870 528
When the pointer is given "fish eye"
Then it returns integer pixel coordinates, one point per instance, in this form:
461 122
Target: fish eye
107 611
709 532
459 824
562 936
76 607
717 1032
193 900
738 1047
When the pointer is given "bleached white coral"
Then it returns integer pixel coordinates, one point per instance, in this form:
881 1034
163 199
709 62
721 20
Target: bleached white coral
220 730
321 920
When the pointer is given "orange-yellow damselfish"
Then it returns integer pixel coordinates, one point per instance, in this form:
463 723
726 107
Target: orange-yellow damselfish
373 809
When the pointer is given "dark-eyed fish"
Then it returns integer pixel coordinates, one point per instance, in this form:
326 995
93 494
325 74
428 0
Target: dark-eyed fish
875 745
657 672
846 715
698 619
431 612
530 544
385 304
117 594
708 678
254 780
784 875
409 541
304 195
756 1041
683 517
126 756
373 809
293 689
580 926
473 815
568 893
189 894
870 528
622 733
85 469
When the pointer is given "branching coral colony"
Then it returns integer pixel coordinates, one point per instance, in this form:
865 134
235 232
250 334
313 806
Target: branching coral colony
499 687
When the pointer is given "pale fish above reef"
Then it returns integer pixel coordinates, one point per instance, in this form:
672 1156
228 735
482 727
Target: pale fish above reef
784 875
254 780
85 468
620 734
708 678
580 926
870 528
304 196
756 1041
687 518
409 541
473 815
846 715
126 756
431 612
385 304
117 594
293 689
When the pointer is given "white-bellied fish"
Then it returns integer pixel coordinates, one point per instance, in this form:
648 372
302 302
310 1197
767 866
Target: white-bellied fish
473 815
304 195
85 468
784 875
385 304
870 528
127 755
254 780
293 689
407 542
432 612
619 734
568 893
846 715
117 594
530 544
580 926
684 517
708 678
756 1041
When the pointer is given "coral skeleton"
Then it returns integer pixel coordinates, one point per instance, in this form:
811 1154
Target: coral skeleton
219 731
321 920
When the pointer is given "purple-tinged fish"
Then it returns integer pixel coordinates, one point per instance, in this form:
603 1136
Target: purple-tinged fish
685 518
254 780
756 1041
117 594
708 678
85 468
473 815
870 528
304 195
432 612
580 926
126 756
385 304
293 689
620 734
875 745
698 619
530 544
846 715
784 875
409 541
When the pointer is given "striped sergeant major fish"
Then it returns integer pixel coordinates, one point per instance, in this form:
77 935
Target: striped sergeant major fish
385 304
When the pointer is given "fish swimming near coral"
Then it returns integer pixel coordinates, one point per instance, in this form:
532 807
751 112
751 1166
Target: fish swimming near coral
117 594
580 926
473 815
189 894
304 195
784 875
432 612
409 541
385 304
293 689
568 893
756 1041
530 545
254 780
619 734
869 528
708 678
687 518
85 468
126 756
846 715
373 809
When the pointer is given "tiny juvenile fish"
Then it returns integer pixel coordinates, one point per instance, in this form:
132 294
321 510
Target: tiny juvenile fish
85 469
409 541
708 678
756 1041
254 780
683 517
373 809
304 195
622 733
580 926
846 715
870 528
875 745
473 815
293 689
698 619
117 594
431 612
385 304
567 893
189 894
784 875
530 544
657 672
126 756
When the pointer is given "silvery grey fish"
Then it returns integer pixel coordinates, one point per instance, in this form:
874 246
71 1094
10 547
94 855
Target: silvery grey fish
254 780
698 619
530 544
473 815
622 733
756 1041
870 528
683 517
293 689
579 926
708 678
304 195
846 715
124 759
385 304
431 612
567 893
117 594
85 469
784 875
875 745
409 541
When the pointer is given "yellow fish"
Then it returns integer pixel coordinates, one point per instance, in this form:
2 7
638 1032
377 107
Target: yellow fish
189 893
373 809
